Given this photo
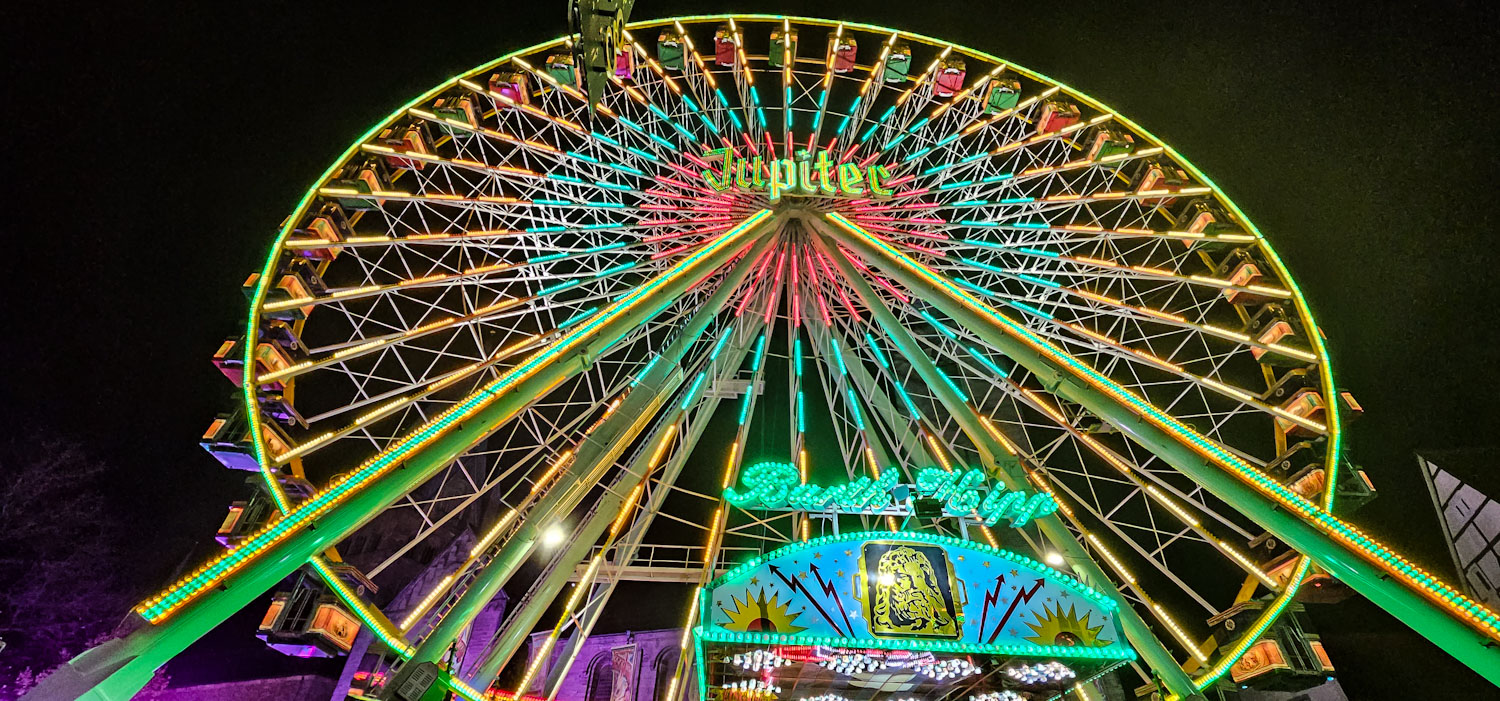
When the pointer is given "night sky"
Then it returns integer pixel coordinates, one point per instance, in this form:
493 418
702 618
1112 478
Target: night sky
151 149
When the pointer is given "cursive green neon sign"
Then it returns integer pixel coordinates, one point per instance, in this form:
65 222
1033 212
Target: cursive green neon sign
805 176
778 485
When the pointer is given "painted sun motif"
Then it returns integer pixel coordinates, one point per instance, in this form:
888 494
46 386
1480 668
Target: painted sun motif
756 614
1054 627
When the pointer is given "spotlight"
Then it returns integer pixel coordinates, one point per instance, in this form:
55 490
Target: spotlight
1054 559
553 536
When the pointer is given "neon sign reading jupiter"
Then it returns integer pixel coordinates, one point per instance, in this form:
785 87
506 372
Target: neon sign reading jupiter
805 176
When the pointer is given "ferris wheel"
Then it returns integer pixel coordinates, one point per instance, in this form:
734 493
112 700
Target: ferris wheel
781 246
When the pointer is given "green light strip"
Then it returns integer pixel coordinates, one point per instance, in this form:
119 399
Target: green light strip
1438 591
206 577
391 638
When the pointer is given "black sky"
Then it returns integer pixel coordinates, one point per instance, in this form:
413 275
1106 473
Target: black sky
151 149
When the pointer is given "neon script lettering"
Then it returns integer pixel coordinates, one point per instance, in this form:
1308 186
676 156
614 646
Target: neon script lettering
777 485
804 176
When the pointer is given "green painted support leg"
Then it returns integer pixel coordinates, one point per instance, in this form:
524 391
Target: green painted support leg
118 669
1009 471
1368 567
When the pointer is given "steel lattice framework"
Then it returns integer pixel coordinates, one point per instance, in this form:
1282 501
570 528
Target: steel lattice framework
499 305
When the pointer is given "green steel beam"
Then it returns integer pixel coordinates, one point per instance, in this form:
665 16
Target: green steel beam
117 669
1397 587
603 448
1009 470
604 445
669 476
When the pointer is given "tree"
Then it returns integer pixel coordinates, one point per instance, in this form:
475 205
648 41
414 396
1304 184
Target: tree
60 564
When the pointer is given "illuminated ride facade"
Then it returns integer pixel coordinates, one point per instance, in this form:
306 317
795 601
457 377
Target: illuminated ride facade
911 372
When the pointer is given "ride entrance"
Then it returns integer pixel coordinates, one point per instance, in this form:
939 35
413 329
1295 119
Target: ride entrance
911 373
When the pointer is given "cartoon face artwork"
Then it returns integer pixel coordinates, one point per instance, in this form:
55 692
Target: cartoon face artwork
909 591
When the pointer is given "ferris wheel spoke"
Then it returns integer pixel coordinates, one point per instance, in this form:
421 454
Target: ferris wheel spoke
589 459
626 547
577 161
549 183
465 604
603 262
1087 267
705 87
1138 383
919 137
999 455
1008 184
654 141
904 109
748 93
859 110
1139 314
1148 485
1052 329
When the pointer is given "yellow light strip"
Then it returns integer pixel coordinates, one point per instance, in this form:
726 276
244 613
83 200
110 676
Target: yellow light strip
1172 506
627 509
1179 633
494 532
426 603
1157 272
1109 557
562 459
363 348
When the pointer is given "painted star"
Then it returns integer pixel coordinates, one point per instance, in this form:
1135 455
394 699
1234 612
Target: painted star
841 574
817 556
802 575
1015 573
754 581
1066 595
986 563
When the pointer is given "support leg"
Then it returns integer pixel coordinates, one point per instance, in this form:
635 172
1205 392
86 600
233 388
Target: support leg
1459 625
1004 466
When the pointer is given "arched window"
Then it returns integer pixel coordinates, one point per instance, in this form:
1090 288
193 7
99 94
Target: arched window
666 666
601 678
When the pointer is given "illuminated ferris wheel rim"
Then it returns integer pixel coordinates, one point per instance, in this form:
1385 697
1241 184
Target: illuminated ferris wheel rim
1304 312
257 314
1221 471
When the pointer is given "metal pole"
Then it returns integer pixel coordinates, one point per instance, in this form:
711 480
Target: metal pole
116 670
1372 569
1009 471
